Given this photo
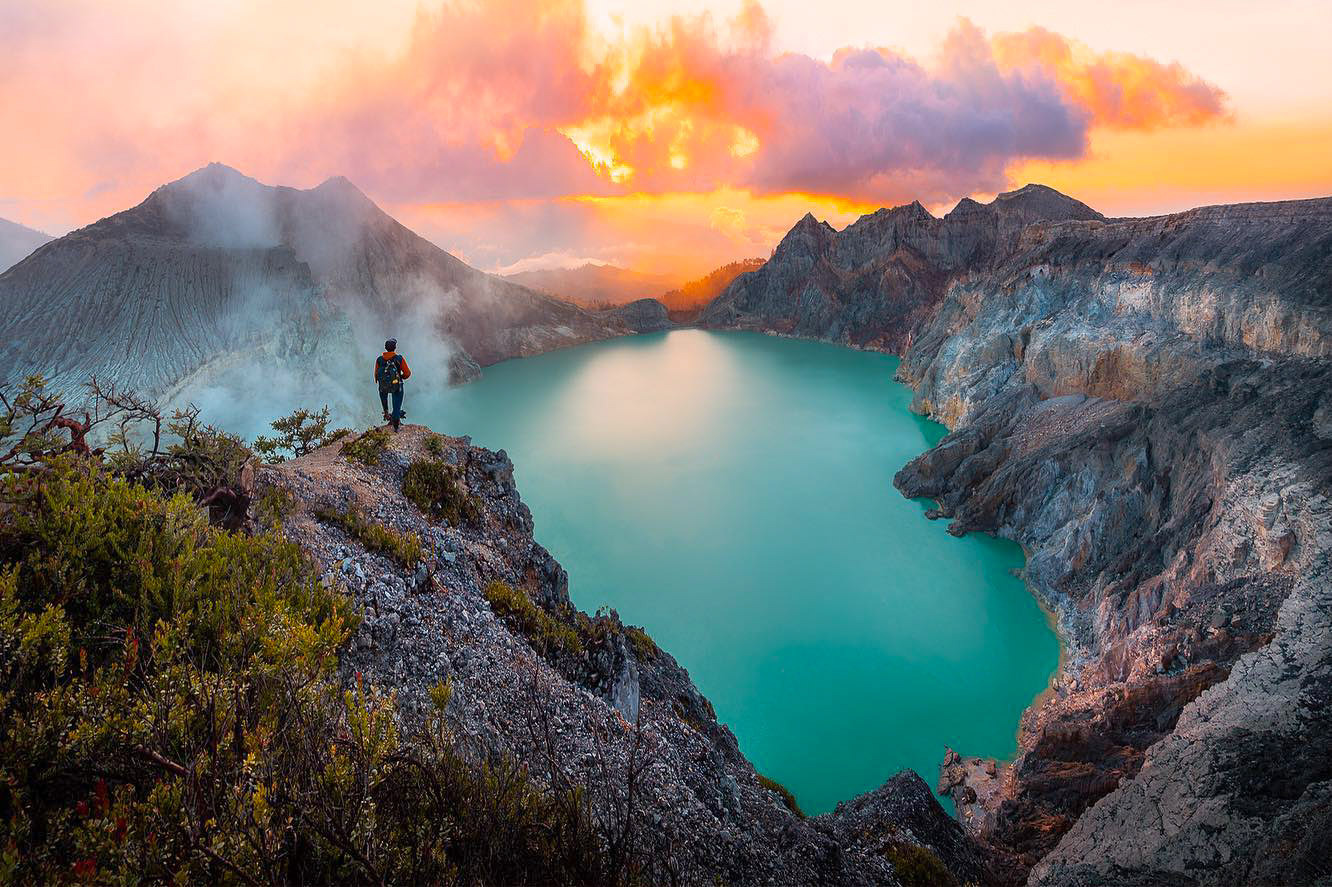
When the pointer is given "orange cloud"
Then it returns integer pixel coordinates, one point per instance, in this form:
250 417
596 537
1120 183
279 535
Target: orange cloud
1119 90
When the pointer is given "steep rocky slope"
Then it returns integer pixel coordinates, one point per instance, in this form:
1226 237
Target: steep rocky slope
217 268
1146 406
17 242
591 712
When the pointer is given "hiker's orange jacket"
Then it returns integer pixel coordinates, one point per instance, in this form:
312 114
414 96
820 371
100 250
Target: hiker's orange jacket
389 355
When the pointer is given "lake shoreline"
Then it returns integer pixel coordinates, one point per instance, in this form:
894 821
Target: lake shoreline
873 399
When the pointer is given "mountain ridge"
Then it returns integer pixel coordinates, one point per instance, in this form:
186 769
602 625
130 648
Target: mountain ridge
868 283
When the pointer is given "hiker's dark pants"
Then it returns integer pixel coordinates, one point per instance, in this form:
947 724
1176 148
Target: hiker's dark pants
397 402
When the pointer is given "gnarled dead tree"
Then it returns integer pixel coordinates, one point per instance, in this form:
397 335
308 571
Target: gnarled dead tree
36 427
132 436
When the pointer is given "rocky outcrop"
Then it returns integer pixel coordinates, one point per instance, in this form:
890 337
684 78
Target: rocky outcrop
217 268
1143 404
1241 791
641 316
592 716
1135 403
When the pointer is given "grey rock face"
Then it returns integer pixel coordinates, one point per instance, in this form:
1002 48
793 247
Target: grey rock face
1134 402
641 316
1241 791
219 268
1142 404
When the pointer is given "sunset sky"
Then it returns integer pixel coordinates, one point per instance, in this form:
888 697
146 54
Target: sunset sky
655 134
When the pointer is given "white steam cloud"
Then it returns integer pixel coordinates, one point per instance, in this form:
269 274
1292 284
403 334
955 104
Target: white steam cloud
304 331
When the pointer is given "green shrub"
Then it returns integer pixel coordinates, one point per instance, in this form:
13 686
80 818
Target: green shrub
367 448
405 548
439 491
548 635
299 434
645 648
918 866
434 445
170 712
783 792
274 505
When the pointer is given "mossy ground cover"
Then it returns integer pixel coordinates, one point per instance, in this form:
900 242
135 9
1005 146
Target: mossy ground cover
548 635
919 867
404 548
644 647
783 792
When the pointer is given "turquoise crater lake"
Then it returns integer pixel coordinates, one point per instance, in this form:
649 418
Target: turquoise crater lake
733 494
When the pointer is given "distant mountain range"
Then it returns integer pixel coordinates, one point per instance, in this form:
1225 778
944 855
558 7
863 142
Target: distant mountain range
690 298
595 286
217 270
18 241
599 286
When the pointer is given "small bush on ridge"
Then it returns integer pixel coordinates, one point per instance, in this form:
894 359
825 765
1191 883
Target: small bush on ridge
439 491
548 635
367 448
299 434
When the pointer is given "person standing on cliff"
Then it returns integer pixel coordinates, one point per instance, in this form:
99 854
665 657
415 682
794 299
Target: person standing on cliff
391 371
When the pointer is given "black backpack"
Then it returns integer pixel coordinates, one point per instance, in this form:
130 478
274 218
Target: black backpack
390 373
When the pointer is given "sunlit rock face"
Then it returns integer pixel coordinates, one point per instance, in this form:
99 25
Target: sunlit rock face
217 269
1143 404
